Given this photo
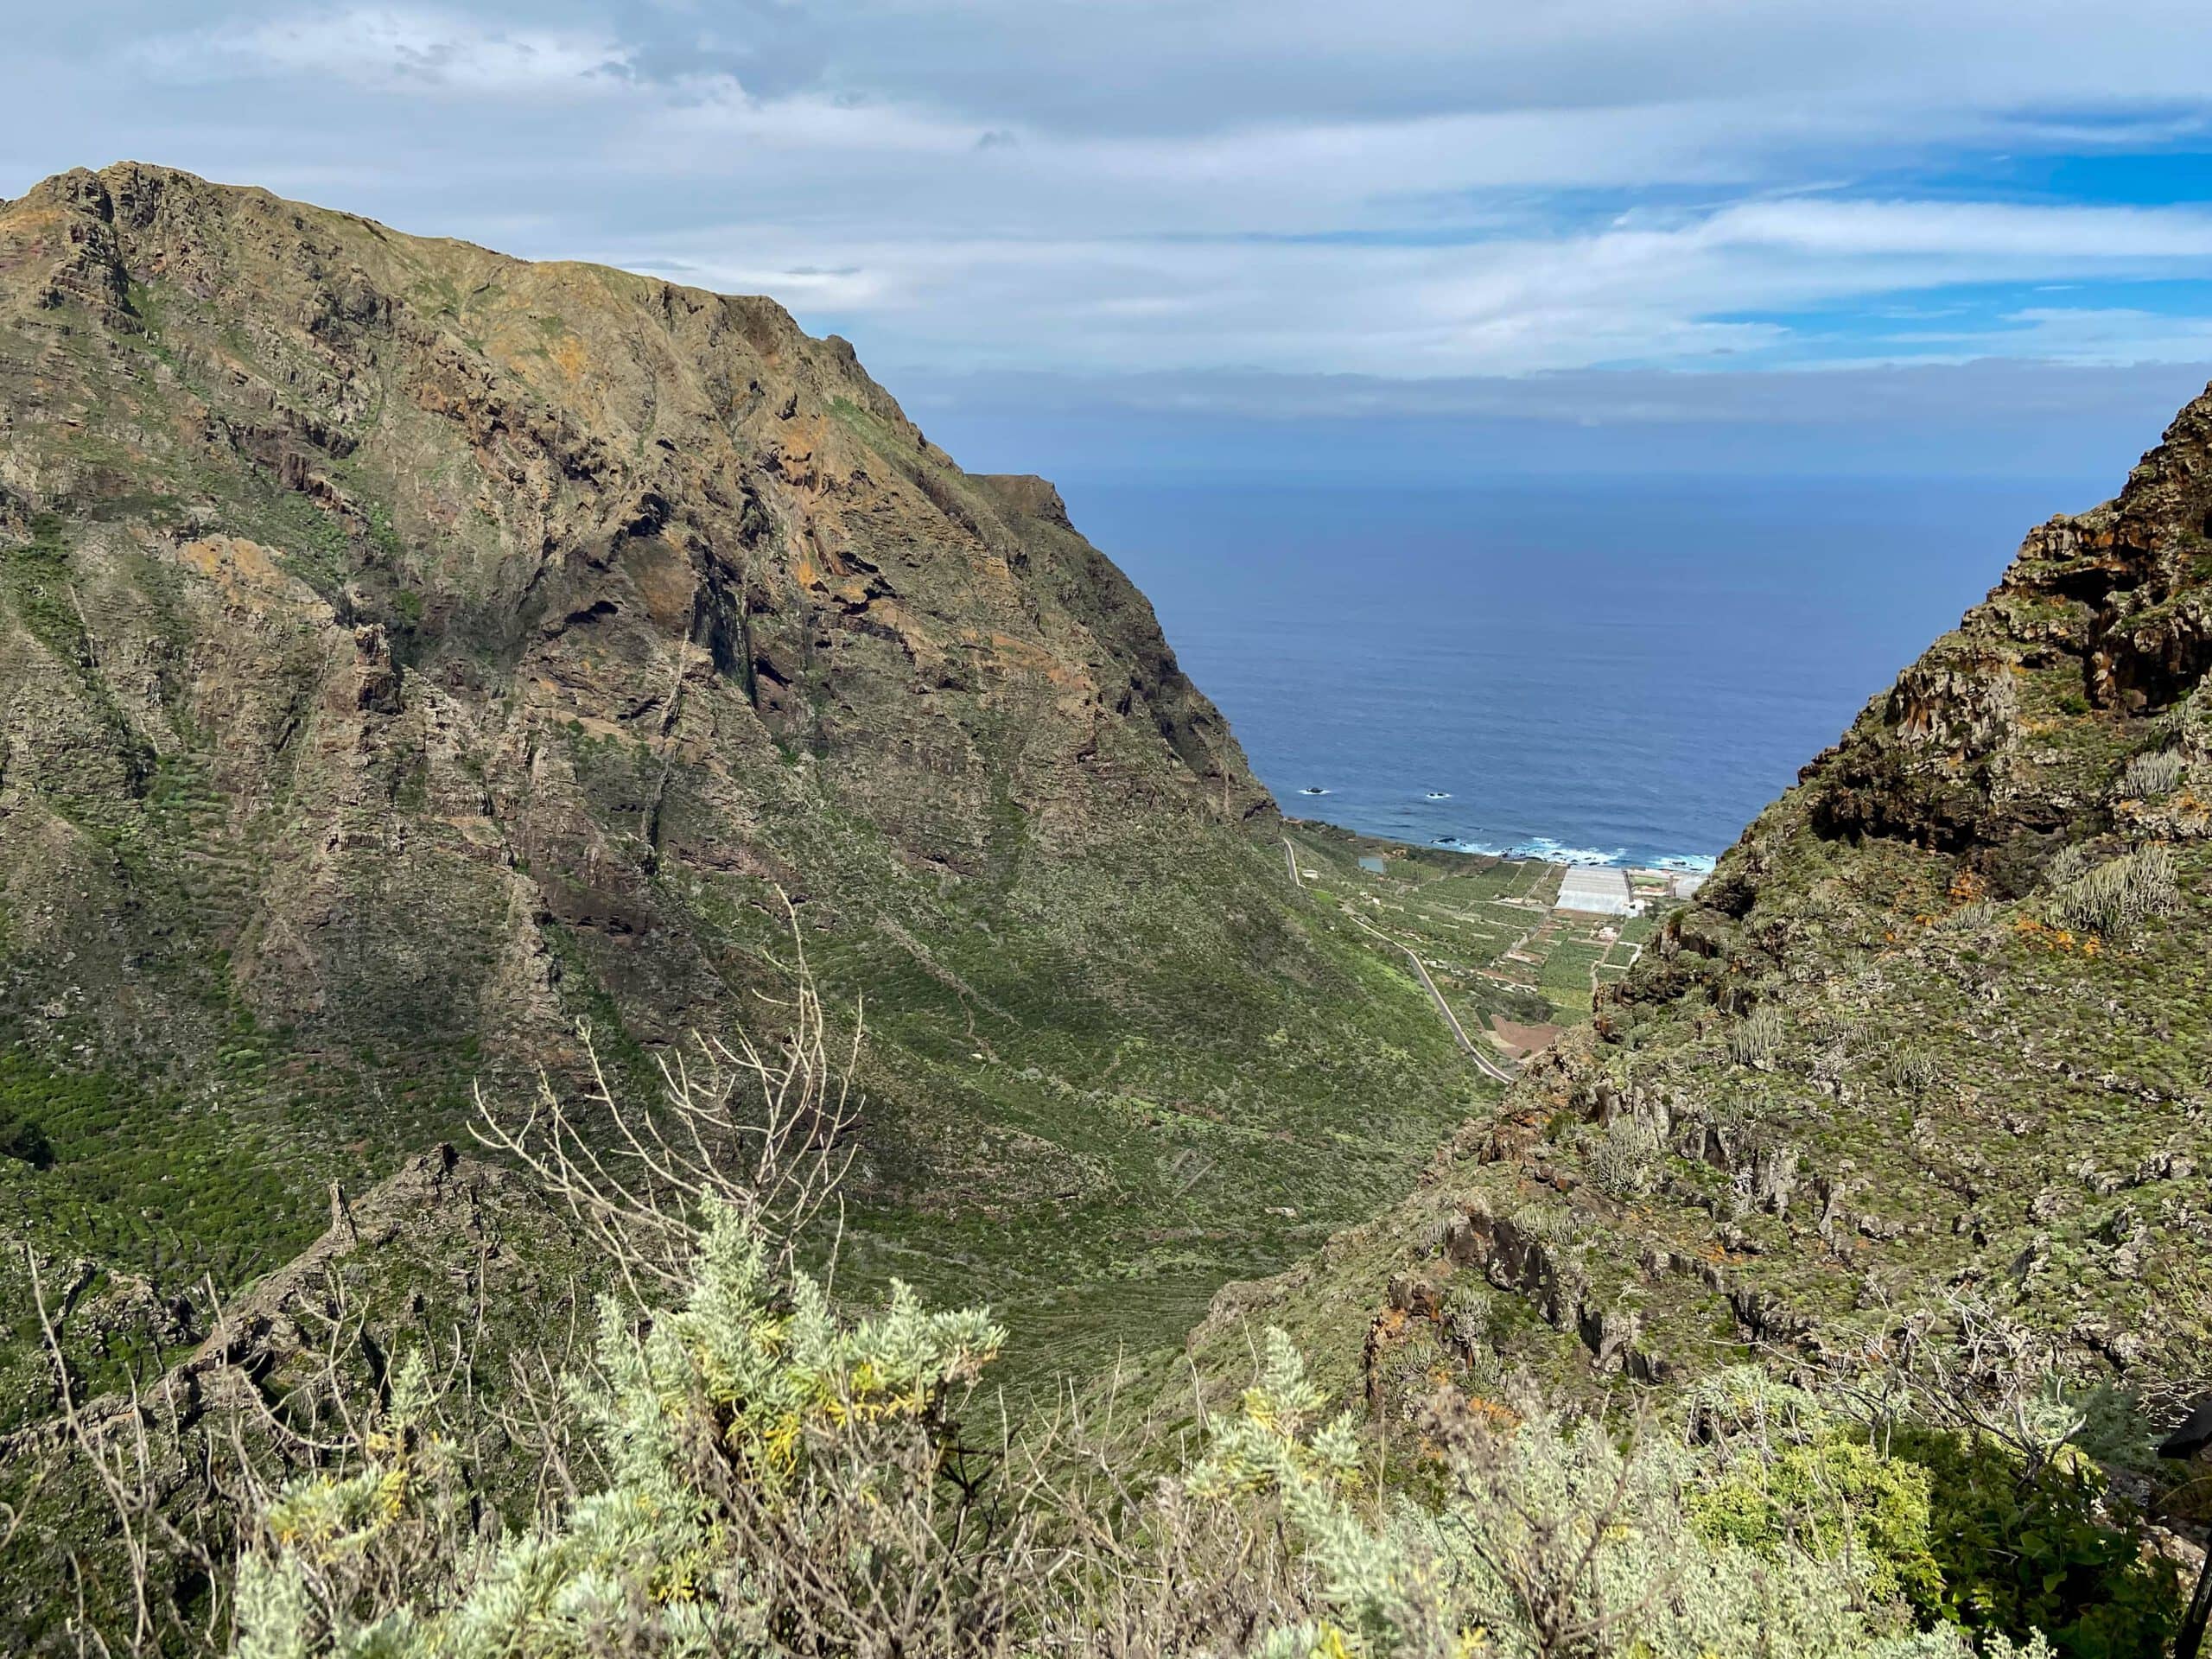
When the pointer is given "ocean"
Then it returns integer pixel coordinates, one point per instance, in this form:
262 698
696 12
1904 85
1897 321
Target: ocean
1623 672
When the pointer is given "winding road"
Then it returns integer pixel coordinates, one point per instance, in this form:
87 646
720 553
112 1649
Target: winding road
1488 1067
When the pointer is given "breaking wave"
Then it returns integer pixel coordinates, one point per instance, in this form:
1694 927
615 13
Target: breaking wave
1548 851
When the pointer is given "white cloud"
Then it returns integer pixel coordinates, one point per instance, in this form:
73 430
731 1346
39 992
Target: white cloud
1481 188
718 111
1933 394
1635 291
2113 335
2079 237
403 49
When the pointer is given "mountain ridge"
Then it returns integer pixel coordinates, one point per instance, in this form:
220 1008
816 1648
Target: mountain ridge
409 652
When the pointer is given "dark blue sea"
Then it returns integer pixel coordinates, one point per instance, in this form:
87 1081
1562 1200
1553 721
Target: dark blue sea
1623 672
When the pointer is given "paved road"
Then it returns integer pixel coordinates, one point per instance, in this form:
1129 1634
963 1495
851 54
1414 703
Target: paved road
1490 1068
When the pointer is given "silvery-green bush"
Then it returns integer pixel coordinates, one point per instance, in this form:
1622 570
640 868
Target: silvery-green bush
773 1476
721 1427
1555 1539
2116 897
2152 774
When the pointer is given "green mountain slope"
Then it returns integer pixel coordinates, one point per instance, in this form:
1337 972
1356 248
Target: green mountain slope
407 652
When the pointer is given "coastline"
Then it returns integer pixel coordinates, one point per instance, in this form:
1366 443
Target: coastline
1529 849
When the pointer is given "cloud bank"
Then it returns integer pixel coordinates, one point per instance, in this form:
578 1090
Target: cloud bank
1146 199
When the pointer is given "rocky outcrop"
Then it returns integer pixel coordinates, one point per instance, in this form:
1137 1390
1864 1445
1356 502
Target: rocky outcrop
2101 617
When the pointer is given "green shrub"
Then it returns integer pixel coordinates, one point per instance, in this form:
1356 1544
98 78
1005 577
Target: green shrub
772 1479
2026 1548
2152 774
23 1139
1555 1539
1840 1500
1911 1071
748 1440
1754 1039
1625 1155
2118 896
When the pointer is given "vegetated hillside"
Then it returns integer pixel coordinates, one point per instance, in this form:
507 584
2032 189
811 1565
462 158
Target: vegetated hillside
1932 1050
407 652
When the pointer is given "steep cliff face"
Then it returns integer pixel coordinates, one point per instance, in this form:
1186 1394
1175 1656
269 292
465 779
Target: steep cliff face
1932 1045
433 579
407 651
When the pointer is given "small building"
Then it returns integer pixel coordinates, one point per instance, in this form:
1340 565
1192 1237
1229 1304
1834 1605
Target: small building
1596 889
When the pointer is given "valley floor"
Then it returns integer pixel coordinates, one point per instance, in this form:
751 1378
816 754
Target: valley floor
1230 1150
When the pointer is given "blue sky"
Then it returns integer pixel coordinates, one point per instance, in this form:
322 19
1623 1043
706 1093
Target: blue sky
1448 234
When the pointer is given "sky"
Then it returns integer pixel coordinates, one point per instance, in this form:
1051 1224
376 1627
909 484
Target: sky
1248 237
